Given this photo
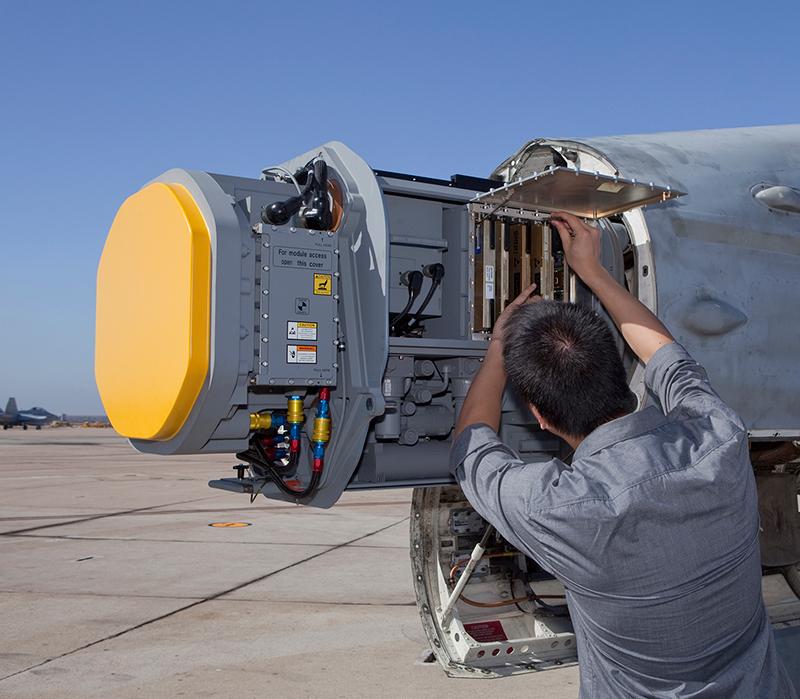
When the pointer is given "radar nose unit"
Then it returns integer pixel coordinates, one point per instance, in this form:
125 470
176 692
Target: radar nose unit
217 315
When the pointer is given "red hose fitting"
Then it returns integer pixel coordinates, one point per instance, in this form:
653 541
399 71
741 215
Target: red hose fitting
324 393
317 466
294 447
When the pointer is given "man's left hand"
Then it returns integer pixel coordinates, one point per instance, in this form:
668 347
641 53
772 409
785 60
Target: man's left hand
499 330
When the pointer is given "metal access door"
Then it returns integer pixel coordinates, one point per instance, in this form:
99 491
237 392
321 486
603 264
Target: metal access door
585 194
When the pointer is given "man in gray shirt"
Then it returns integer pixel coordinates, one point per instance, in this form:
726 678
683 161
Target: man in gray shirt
653 527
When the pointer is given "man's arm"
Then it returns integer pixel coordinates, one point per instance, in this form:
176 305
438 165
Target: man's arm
672 376
482 404
485 395
641 329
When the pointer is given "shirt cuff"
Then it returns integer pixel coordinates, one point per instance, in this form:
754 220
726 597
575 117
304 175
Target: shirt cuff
472 438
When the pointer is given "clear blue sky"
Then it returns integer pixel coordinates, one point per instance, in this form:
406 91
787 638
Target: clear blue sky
98 97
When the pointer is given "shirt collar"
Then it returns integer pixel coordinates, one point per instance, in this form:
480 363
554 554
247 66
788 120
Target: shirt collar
622 428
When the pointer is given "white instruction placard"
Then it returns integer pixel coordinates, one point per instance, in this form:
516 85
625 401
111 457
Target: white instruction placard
301 330
488 282
301 354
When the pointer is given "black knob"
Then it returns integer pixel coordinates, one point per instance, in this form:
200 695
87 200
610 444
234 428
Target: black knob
317 213
278 213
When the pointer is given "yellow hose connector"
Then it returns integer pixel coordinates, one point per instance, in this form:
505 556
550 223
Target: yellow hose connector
322 429
260 422
294 410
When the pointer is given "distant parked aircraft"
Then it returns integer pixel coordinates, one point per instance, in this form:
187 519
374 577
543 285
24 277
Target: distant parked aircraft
35 416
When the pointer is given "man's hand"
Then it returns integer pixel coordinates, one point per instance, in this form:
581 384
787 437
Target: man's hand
499 330
485 395
639 326
581 243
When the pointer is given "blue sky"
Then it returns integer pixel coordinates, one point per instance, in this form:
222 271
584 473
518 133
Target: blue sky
98 97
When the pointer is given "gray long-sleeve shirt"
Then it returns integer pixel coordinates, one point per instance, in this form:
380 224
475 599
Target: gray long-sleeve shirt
653 530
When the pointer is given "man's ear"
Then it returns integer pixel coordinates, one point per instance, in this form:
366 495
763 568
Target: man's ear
542 422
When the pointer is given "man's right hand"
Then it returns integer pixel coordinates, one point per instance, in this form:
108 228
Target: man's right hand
581 243
639 326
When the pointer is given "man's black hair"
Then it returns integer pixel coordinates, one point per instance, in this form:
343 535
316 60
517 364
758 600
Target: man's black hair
562 358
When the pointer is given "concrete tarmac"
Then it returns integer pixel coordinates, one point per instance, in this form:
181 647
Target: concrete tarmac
113 584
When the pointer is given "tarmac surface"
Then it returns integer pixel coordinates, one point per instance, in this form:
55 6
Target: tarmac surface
113 584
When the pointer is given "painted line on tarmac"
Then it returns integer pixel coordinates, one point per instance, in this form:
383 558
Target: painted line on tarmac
77 537
217 510
99 516
210 598
150 540
199 598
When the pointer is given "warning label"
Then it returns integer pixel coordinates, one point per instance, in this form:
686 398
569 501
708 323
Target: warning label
301 330
323 284
486 631
301 354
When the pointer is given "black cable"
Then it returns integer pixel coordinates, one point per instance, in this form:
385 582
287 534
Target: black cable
436 273
415 318
414 281
406 308
554 609
254 457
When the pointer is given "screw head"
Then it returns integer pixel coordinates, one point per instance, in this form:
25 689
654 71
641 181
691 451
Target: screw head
265 292
264 339
264 363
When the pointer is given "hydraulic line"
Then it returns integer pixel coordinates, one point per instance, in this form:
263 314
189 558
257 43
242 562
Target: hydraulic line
265 458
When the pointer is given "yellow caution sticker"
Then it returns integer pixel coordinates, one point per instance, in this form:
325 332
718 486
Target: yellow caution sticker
323 284
230 525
